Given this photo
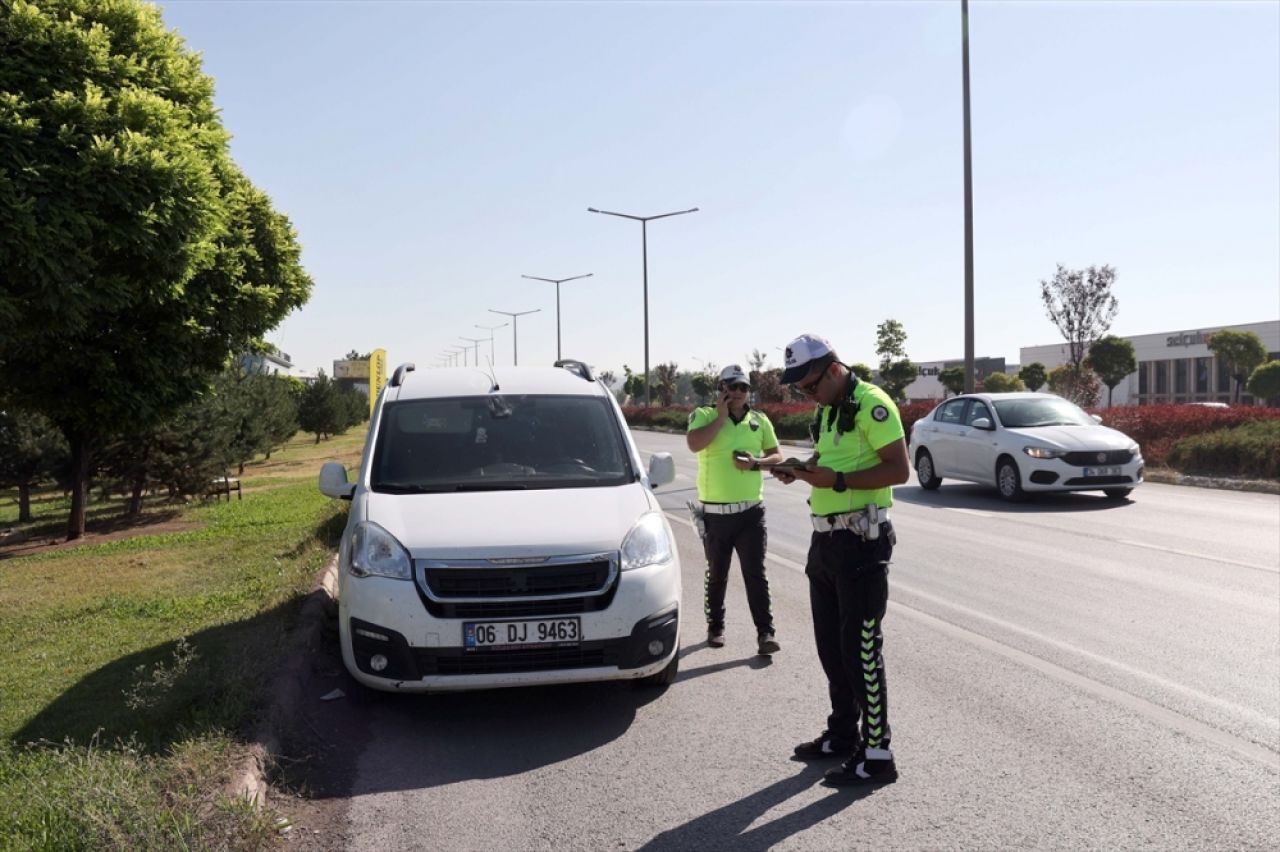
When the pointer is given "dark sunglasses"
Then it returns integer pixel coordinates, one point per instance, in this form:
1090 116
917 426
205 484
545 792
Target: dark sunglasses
739 386
811 386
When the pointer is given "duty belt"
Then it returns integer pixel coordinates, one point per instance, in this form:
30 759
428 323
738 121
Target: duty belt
729 508
865 522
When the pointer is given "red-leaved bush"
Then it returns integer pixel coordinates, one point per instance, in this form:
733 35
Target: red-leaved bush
1157 427
790 419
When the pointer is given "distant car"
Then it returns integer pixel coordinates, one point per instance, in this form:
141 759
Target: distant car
1023 442
1210 404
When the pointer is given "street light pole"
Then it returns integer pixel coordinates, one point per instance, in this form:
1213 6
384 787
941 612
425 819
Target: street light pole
491 329
557 282
968 202
475 342
644 253
515 331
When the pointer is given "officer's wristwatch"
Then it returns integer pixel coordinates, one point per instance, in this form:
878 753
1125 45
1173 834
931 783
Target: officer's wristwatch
839 486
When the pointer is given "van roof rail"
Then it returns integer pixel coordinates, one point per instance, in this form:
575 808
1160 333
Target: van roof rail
578 368
397 378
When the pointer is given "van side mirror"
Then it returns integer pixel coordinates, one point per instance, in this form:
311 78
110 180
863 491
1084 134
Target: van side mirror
983 423
333 481
662 469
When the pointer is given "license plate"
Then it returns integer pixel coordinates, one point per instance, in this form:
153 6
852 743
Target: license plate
1102 471
557 632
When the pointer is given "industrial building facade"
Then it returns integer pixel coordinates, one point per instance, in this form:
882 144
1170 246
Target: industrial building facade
1173 366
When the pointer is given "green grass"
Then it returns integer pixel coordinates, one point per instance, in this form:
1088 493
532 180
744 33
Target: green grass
139 661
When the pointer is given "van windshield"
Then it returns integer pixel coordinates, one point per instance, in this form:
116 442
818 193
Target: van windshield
498 442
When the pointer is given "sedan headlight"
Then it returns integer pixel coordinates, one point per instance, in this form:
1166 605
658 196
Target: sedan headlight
375 552
1135 449
648 543
1044 452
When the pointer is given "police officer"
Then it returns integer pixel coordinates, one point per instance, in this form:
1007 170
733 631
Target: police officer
731 439
860 453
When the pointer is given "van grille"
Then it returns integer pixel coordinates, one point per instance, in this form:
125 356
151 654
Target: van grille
478 588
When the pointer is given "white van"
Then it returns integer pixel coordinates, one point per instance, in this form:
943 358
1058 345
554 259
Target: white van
503 532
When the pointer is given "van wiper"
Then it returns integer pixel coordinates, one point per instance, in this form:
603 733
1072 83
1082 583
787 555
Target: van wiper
412 488
490 486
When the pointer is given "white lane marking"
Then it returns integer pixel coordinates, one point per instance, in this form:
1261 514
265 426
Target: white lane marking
1094 536
1142 706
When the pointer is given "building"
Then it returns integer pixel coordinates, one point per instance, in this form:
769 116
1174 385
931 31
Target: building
926 386
273 364
1173 366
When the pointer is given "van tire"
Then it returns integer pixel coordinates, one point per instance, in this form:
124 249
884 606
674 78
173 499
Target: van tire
664 678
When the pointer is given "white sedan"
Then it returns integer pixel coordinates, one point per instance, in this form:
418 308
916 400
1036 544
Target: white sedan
1023 442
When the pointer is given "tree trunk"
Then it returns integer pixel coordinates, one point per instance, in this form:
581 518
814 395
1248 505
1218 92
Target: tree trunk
24 502
79 483
1110 389
240 472
135 499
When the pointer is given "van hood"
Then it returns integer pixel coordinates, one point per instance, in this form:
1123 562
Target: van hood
1072 438
543 522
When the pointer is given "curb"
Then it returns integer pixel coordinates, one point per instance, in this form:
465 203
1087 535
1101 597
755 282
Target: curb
249 779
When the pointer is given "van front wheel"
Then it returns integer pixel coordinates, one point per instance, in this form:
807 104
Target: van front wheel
666 677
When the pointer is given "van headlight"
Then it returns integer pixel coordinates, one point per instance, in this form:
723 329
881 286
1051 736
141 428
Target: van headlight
1044 452
648 543
375 552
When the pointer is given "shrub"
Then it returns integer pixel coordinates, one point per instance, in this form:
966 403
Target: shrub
1251 450
1157 428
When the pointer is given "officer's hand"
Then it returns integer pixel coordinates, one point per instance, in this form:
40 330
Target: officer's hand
743 461
722 403
782 475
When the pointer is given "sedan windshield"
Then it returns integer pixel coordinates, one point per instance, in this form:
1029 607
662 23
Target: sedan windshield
1028 413
497 443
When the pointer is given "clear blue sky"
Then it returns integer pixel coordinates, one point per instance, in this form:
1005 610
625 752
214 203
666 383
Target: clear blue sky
430 154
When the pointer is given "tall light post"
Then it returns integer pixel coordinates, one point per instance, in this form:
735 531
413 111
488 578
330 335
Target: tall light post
515 331
557 282
644 253
475 342
460 350
968 201
491 329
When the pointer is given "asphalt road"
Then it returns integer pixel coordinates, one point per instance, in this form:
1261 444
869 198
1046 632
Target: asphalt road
1067 673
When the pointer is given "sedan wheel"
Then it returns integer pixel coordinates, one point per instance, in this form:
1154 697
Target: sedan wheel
1009 481
924 471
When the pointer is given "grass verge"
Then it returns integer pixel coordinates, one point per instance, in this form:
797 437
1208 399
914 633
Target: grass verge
136 660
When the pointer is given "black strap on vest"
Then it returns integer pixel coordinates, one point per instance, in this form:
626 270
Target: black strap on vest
844 412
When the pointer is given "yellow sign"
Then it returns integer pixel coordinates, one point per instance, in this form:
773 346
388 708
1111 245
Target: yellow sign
377 375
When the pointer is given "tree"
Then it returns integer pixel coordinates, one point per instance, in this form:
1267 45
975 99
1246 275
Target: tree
1080 304
896 369
1033 376
1080 385
135 258
664 382
952 379
1264 382
320 411
757 361
999 382
1112 358
1241 352
703 384
862 371
633 385
768 386
31 450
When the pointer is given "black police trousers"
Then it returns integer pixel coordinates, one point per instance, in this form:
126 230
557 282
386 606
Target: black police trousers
743 532
848 592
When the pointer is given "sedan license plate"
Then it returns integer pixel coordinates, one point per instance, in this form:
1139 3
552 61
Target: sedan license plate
557 632
1102 471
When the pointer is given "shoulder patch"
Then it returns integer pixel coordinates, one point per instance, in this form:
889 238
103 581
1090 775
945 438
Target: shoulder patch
692 414
880 413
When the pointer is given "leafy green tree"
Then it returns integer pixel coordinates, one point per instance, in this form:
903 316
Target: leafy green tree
1112 358
896 369
134 255
756 361
1080 305
664 382
1033 376
703 384
31 451
999 382
862 371
320 410
1080 385
1264 382
1241 352
633 385
952 379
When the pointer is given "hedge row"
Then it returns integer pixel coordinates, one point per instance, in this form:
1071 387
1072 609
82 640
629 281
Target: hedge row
1156 428
1251 450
